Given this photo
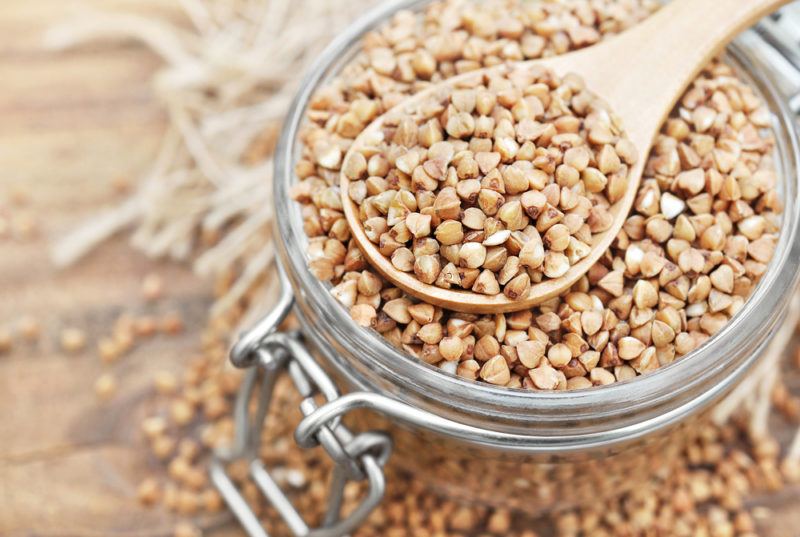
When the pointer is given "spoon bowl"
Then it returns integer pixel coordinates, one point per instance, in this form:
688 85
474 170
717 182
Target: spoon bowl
640 74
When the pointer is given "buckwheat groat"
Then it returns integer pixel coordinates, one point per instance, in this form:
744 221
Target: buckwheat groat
700 235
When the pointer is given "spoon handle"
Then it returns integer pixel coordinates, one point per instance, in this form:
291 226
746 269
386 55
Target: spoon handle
644 70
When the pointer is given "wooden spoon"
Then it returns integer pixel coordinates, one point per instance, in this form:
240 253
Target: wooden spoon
641 74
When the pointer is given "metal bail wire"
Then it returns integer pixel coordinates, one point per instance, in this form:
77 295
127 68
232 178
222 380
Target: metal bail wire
357 457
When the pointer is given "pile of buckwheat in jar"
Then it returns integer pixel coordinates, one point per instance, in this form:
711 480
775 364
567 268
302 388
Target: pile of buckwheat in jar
441 200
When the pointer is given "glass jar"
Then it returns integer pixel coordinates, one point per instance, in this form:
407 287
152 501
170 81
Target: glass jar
517 448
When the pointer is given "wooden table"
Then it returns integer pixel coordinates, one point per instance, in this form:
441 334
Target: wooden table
71 124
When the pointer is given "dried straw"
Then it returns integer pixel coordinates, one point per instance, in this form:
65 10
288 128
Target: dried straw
226 80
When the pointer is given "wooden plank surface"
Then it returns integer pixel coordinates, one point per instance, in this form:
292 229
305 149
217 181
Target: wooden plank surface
70 125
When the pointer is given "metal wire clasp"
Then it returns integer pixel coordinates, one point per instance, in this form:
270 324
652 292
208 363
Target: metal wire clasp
245 351
357 457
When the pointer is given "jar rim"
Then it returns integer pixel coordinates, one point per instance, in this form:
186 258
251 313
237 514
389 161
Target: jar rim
656 399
